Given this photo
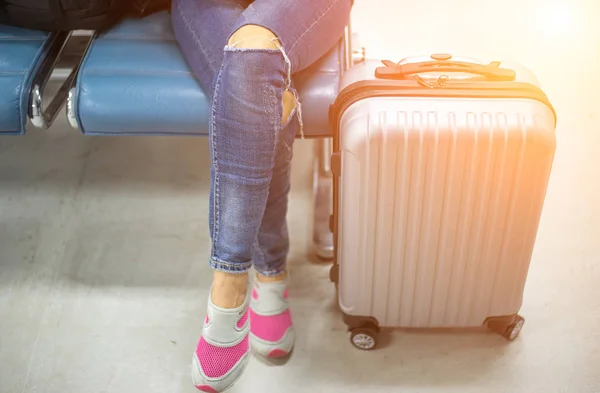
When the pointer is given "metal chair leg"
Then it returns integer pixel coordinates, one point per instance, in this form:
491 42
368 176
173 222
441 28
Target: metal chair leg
323 200
322 177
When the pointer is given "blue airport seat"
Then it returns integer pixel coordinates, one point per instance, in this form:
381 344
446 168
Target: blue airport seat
134 80
22 52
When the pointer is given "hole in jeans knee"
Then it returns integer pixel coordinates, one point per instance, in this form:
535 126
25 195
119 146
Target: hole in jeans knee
253 37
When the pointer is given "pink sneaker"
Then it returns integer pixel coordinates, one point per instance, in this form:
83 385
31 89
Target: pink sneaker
271 330
223 352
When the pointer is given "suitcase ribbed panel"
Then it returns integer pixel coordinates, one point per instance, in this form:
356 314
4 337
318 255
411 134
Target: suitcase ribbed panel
439 208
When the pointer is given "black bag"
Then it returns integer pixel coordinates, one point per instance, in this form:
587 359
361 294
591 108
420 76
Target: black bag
63 15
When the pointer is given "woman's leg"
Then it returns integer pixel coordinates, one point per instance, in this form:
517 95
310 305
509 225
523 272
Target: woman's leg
252 97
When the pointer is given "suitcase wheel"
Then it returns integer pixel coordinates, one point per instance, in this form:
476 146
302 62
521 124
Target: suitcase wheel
515 328
507 327
364 338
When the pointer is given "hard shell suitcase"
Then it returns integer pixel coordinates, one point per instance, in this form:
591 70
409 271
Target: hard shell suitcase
440 173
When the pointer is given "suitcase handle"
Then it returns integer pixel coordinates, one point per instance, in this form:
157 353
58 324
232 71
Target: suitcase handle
491 71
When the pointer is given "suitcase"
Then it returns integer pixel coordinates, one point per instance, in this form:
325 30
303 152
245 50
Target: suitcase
440 172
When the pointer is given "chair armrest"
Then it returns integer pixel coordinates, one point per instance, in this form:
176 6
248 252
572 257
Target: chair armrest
40 114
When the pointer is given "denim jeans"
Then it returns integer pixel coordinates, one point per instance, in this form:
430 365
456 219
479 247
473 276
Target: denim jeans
251 150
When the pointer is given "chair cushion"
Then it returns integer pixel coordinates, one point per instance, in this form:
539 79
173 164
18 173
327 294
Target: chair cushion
21 52
135 81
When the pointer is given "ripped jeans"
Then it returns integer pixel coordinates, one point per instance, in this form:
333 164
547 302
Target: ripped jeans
250 146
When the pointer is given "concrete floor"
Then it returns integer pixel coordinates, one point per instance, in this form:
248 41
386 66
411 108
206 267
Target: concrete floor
103 242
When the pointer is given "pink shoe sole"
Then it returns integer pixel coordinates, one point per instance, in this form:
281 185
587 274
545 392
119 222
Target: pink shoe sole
277 353
206 388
